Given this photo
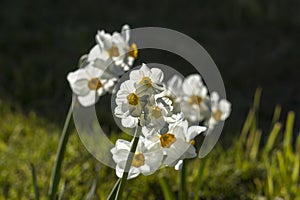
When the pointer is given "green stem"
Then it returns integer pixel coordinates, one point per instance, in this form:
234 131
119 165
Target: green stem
113 192
182 189
55 177
128 164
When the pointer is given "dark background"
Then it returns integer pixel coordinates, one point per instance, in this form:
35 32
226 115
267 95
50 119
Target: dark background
253 42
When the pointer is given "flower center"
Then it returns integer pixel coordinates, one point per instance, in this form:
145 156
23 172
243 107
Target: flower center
195 99
133 99
192 142
113 51
156 112
166 140
146 81
94 84
217 115
133 51
138 160
172 99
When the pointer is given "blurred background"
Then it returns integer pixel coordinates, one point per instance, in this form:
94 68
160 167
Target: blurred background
254 43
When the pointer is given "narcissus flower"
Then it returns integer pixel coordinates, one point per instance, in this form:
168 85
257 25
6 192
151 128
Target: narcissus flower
146 160
114 50
130 104
89 83
220 109
148 81
177 143
194 100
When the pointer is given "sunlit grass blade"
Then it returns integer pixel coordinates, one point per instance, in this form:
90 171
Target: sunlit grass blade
287 140
296 169
92 191
34 181
272 138
298 144
62 191
55 177
281 164
246 127
113 192
276 115
166 189
255 145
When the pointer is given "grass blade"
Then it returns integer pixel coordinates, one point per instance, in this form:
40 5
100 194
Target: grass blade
62 191
255 146
276 115
34 181
287 140
92 191
272 138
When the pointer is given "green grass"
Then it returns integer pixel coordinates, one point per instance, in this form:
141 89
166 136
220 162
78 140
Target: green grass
249 169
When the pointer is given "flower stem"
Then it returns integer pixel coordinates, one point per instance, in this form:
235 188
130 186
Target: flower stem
182 188
128 164
55 177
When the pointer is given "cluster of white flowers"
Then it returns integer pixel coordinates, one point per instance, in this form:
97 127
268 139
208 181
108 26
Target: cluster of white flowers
106 62
168 115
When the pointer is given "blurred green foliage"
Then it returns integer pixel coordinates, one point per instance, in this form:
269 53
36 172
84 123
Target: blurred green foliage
248 169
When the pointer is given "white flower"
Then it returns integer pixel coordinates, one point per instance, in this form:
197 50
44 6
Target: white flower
146 160
114 50
88 84
195 97
130 104
157 112
178 141
148 81
220 109
174 92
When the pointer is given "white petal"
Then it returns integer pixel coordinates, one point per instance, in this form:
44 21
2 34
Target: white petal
214 98
157 75
129 122
123 144
90 99
192 84
126 33
193 131
96 53
80 87
128 86
93 72
225 108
